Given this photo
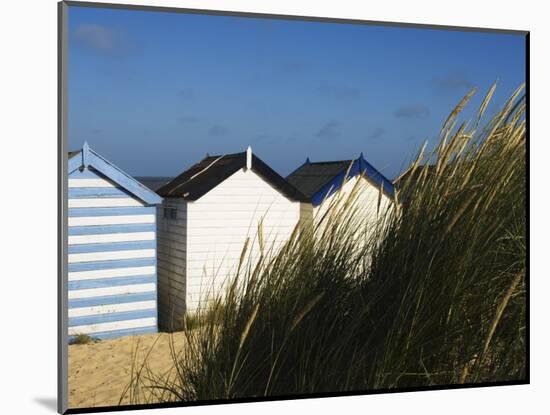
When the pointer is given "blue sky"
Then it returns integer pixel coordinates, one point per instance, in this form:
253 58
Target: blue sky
154 92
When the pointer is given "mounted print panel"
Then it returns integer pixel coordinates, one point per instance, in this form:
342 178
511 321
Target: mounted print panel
260 207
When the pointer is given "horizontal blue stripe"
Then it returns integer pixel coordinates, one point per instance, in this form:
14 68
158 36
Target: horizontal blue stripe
111 282
113 246
112 211
112 299
120 263
97 192
97 230
106 318
119 333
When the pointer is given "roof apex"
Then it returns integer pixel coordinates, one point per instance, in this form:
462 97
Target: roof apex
249 158
88 157
319 179
203 176
85 154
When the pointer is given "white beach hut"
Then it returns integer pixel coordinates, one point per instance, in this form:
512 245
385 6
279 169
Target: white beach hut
208 213
320 182
111 250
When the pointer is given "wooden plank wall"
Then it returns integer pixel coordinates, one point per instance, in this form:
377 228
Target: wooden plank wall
367 195
218 225
199 249
112 259
172 257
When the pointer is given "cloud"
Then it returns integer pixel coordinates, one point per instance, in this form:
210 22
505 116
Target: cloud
186 93
453 82
376 133
293 66
218 130
270 138
148 132
264 137
188 119
412 111
339 92
329 131
102 39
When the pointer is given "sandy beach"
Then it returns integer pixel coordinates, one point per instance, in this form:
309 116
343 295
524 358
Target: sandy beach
99 372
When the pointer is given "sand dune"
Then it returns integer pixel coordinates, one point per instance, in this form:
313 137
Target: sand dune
99 372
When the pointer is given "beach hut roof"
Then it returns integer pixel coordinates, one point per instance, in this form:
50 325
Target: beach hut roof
87 157
202 177
321 179
154 182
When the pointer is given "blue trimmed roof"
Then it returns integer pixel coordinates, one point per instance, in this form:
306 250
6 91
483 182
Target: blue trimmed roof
320 180
87 157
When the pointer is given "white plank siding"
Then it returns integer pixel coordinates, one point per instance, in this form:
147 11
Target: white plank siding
366 200
171 250
104 202
115 290
112 259
111 237
111 220
219 223
85 182
111 308
112 273
110 256
200 249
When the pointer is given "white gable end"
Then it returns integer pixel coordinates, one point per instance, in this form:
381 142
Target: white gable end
219 224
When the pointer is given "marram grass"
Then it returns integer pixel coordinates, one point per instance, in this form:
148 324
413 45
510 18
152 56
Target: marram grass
434 294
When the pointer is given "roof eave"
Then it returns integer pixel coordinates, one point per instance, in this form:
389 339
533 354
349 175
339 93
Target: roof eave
359 166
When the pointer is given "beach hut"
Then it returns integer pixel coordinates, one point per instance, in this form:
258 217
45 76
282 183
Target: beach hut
111 249
208 213
320 182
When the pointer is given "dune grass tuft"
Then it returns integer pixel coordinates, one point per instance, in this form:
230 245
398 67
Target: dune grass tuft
83 339
433 294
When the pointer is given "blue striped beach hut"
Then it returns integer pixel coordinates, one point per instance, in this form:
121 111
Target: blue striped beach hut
112 249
